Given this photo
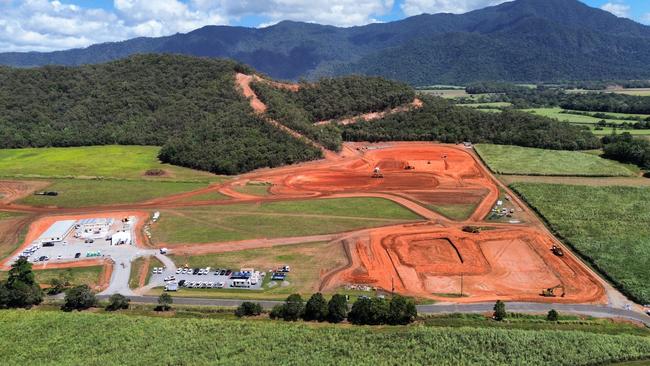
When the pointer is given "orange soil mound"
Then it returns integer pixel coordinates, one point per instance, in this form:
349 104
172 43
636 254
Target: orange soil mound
505 263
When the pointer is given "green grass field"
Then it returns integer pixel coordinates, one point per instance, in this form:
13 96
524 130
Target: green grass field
495 105
121 162
118 339
77 276
307 262
588 121
275 219
459 211
254 188
607 225
85 192
503 159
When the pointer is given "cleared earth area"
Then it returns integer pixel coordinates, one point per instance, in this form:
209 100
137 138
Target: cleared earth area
607 225
118 340
503 159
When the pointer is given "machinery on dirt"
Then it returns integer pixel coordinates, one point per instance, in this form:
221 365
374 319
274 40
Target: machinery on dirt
557 251
47 193
472 229
376 173
550 292
409 167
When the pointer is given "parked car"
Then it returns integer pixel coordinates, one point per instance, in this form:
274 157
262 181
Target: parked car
220 285
89 241
195 271
58 257
222 272
44 258
77 255
181 283
179 270
228 273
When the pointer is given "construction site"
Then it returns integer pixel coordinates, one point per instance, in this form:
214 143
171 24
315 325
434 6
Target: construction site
436 257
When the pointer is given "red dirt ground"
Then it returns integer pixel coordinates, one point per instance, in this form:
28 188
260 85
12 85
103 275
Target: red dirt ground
14 190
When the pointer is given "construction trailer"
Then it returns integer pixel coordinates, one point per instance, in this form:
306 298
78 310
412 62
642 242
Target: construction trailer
57 232
121 237
94 225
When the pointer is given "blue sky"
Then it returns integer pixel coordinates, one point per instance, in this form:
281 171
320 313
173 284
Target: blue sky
46 25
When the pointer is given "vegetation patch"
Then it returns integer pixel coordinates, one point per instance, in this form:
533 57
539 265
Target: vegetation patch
120 162
117 339
606 225
275 219
503 159
94 192
254 188
75 276
459 211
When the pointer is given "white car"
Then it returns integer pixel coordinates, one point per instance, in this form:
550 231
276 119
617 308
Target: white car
58 257
178 271
184 270
220 285
210 284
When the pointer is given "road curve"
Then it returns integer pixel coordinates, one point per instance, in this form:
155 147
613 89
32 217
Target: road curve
596 311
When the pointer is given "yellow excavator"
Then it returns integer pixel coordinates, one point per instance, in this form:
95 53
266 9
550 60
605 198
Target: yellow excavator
550 292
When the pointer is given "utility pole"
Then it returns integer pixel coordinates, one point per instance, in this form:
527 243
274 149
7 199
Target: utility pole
461 285
392 285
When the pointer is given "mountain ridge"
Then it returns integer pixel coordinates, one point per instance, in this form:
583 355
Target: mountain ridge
565 35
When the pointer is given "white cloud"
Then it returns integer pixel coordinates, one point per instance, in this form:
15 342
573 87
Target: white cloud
46 25
617 8
645 18
415 7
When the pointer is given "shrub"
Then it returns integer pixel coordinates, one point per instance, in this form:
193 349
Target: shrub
552 315
401 311
316 308
20 290
164 302
499 310
337 309
117 302
277 312
248 308
79 298
368 311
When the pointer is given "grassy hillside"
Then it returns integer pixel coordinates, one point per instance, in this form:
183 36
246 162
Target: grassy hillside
607 225
101 339
503 159
112 161
275 219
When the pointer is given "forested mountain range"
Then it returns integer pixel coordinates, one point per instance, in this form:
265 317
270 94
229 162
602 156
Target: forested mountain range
523 40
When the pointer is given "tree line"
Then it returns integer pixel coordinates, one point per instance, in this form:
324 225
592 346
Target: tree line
441 120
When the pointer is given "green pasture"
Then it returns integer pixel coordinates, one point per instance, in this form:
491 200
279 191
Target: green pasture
504 159
275 219
93 192
120 162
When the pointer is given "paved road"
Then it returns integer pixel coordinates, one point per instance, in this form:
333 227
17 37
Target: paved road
597 311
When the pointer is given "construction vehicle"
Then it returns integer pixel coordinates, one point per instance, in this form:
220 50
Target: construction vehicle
550 292
376 173
409 167
557 251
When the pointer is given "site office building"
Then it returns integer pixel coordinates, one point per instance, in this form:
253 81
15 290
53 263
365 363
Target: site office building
57 232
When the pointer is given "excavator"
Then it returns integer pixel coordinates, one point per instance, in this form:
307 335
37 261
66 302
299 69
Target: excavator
557 251
376 173
550 292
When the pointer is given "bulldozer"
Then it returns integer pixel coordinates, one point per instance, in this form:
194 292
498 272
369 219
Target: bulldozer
557 251
376 173
550 292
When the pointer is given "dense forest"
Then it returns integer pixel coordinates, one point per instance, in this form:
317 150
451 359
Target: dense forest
440 120
190 106
626 149
330 99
